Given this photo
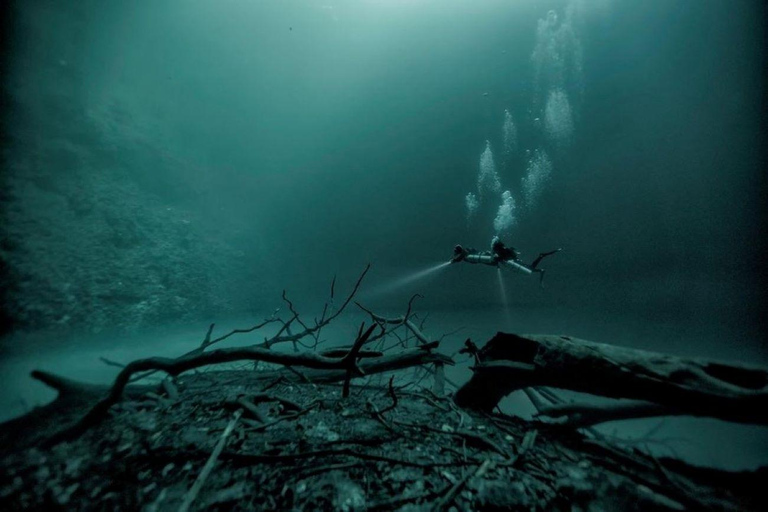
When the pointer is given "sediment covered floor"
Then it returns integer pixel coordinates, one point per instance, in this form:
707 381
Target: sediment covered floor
300 446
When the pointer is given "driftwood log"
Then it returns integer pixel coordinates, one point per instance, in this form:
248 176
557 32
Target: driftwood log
664 384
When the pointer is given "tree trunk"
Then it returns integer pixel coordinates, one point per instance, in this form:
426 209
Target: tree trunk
697 387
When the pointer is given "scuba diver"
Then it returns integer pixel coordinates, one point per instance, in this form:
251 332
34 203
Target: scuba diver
501 256
502 251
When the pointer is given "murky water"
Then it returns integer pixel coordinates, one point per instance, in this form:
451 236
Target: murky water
166 160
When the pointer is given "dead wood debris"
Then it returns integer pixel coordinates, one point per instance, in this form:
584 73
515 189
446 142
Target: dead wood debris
347 361
658 384
302 440
332 454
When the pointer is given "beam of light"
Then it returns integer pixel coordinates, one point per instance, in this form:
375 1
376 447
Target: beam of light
409 279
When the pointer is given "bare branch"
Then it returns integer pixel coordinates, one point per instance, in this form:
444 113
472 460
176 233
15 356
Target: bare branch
109 362
311 330
256 327
403 320
350 360
207 339
392 394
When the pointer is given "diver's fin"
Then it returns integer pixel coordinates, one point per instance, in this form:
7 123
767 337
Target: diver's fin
543 255
541 278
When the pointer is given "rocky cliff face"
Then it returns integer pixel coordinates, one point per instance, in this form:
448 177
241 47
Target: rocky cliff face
99 225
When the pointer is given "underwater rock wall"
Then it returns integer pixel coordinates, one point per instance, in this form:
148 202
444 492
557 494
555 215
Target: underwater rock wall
93 233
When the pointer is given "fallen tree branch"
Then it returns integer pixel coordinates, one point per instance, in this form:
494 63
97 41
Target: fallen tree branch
405 359
279 337
177 366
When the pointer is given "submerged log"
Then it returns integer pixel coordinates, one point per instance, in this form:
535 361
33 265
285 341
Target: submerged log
697 387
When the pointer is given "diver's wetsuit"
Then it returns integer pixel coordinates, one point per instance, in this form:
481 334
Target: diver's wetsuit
503 253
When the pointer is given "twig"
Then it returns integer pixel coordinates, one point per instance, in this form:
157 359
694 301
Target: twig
449 333
253 411
109 362
266 425
499 424
529 439
439 380
476 440
231 333
207 339
396 502
304 474
170 389
195 489
266 397
378 417
430 401
247 458
448 498
323 322
299 374
403 320
392 394
349 361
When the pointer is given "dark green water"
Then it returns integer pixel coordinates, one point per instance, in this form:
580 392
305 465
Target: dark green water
172 163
